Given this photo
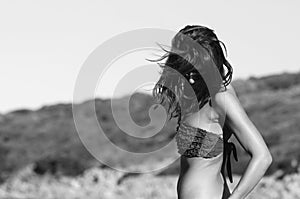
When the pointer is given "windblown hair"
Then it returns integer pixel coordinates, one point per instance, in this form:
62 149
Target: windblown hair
190 73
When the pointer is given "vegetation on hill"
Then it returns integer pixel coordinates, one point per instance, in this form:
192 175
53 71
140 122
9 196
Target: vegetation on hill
48 138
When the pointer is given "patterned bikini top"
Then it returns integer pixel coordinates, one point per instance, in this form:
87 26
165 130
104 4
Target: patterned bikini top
197 142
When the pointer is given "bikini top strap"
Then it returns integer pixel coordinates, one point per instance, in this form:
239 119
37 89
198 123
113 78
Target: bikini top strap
229 148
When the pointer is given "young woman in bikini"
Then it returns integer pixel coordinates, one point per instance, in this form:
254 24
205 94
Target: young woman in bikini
195 85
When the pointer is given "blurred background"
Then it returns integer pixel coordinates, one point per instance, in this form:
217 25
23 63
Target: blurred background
43 47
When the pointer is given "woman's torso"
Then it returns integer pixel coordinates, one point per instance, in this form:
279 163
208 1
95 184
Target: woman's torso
201 177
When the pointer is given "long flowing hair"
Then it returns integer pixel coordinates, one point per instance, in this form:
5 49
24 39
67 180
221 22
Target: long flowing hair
194 71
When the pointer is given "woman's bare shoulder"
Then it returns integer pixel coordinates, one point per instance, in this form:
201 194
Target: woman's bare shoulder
226 95
228 88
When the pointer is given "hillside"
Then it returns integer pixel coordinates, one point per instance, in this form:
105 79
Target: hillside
48 139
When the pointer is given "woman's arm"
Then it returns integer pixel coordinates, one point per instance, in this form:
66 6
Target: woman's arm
250 139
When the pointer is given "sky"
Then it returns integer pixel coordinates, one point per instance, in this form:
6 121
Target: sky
44 44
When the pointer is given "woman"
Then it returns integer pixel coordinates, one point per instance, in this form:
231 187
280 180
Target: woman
195 85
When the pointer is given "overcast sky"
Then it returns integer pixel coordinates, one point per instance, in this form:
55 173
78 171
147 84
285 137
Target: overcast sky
45 43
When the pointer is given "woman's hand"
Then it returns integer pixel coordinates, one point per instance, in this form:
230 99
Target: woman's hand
249 137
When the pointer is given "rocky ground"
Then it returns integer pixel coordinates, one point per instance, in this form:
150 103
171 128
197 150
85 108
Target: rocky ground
105 184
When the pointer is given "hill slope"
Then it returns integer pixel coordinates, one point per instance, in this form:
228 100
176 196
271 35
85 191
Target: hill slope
48 137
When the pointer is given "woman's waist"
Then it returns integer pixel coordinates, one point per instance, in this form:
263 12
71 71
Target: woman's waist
205 174
204 179
201 162
199 166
